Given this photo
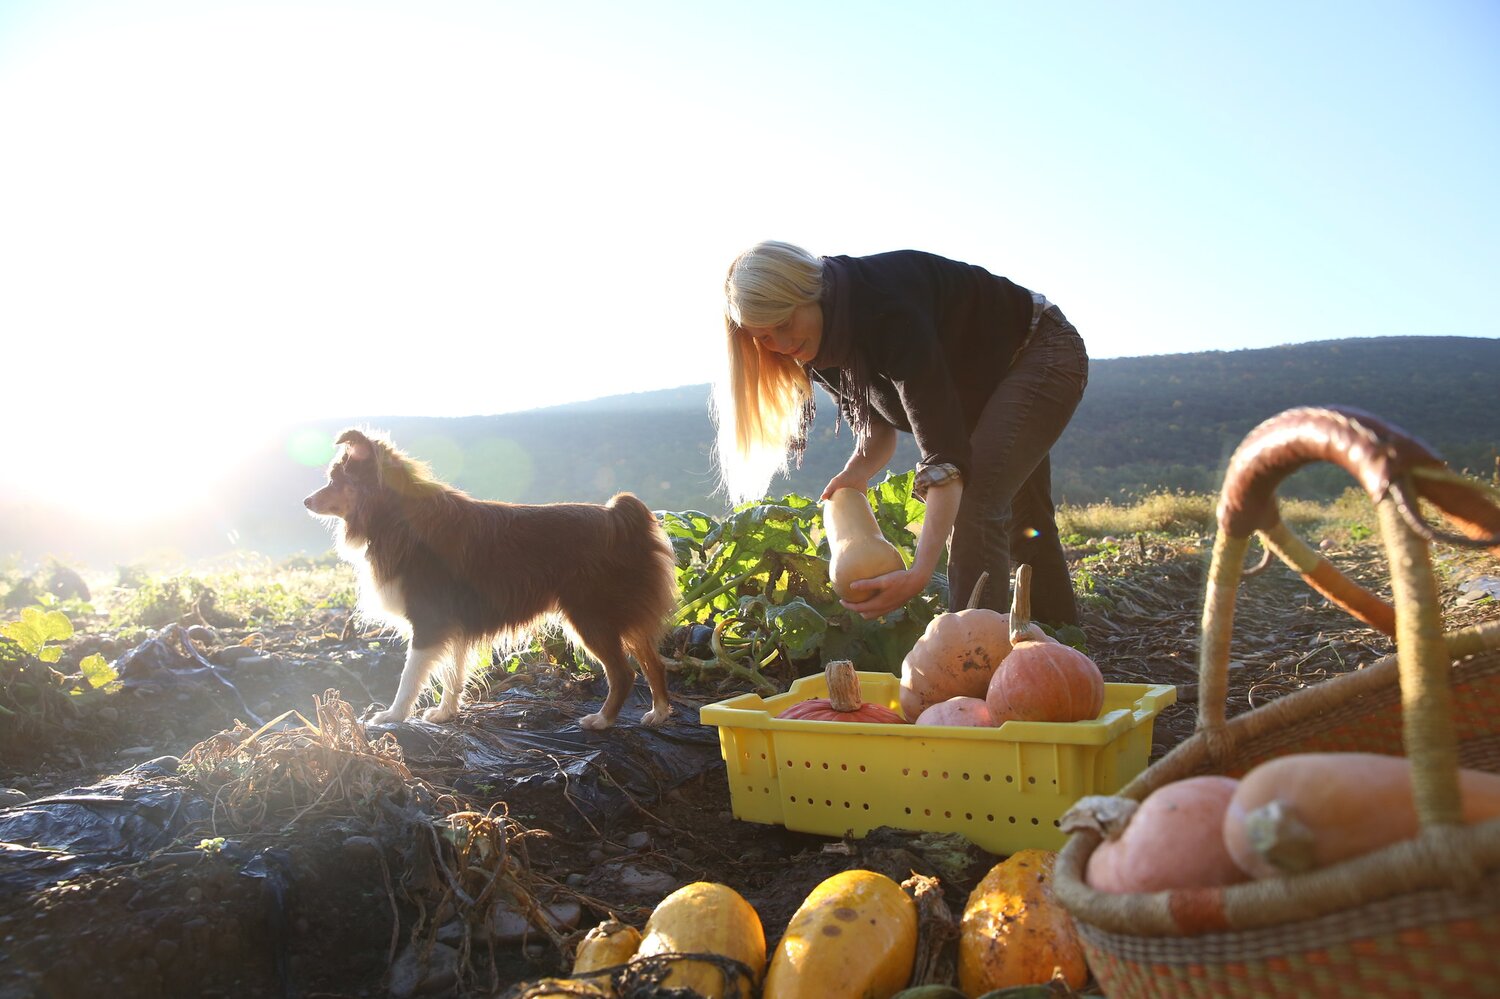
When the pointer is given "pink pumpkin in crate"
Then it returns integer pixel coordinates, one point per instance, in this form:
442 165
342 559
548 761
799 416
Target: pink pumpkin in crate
971 711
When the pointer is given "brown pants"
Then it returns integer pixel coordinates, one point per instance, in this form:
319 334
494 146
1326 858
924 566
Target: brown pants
1006 516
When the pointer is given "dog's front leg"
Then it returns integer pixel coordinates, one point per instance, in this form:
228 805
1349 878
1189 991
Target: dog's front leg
419 665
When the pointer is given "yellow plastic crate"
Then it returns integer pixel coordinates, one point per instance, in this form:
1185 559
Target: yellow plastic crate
1004 788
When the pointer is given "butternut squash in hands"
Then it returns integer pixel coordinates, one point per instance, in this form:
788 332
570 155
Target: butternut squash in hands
856 548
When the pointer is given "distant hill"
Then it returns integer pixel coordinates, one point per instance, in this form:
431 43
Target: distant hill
1145 423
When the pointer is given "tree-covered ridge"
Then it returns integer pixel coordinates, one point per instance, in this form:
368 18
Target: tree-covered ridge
1145 424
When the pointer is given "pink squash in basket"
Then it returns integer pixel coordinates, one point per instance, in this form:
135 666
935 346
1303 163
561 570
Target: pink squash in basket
1173 840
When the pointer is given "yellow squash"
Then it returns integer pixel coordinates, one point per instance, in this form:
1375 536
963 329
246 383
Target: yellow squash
1014 933
606 945
705 918
561 988
855 935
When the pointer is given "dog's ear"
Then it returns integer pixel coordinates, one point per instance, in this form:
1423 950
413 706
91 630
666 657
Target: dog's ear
360 446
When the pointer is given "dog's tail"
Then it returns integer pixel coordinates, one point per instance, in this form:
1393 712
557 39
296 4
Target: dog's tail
635 529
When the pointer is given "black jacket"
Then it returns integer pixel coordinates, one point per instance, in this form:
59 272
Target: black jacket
925 340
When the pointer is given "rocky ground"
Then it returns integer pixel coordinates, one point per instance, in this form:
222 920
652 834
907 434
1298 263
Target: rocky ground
461 860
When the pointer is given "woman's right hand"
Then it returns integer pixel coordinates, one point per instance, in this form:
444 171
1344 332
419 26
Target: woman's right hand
845 480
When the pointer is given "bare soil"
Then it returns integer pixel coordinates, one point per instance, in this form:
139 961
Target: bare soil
337 895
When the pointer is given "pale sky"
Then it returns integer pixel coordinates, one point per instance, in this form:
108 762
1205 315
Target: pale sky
217 217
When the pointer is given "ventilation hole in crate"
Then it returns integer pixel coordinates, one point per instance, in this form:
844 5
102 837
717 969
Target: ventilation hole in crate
924 773
986 778
905 771
989 818
866 806
790 763
843 766
829 804
966 776
807 764
907 810
1054 780
762 755
1031 780
825 766
1009 779
1035 821
969 816
927 812
947 815
1012 820
945 775
1057 823
794 799
861 768
846 804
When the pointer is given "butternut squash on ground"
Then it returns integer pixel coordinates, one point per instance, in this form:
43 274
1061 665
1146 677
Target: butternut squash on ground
706 918
854 935
1014 933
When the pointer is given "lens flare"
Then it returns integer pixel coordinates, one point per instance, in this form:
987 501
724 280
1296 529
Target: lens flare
313 448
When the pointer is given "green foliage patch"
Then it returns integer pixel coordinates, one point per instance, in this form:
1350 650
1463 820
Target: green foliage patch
759 578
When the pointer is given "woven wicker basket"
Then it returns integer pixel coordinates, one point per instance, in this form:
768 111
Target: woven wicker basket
1421 918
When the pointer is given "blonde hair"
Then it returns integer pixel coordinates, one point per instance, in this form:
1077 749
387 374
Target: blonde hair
759 402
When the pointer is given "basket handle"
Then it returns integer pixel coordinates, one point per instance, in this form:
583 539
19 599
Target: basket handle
1395 470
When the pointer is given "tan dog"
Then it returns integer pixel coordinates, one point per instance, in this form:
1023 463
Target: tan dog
455 574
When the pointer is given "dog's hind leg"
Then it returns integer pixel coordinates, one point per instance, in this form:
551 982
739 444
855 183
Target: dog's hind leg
420 662
645 653
453 689
607 647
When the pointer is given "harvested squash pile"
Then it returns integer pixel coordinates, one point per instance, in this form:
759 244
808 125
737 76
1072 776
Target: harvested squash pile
981 668
858 933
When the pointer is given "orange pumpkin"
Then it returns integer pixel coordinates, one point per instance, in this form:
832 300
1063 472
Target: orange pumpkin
843 702
1013 931
1042 680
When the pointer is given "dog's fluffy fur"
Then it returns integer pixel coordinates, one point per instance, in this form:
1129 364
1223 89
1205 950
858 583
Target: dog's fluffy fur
455 574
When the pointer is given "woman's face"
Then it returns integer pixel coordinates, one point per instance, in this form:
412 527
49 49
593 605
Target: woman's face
798 337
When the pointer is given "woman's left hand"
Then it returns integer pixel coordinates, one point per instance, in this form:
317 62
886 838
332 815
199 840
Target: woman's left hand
883 594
